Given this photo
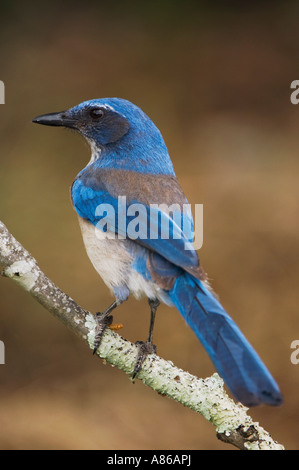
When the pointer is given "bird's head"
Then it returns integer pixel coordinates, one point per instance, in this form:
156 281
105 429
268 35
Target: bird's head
114 126
96 120
104 120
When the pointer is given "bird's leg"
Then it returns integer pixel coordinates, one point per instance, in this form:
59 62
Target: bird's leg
104 320
146 347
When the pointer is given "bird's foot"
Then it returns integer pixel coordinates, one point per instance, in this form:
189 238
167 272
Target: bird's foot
103 321
144 348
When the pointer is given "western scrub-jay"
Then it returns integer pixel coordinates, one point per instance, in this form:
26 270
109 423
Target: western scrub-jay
130 172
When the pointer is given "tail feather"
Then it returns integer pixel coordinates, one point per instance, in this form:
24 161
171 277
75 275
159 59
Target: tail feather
235 359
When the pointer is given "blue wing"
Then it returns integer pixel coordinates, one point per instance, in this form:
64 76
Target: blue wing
137 221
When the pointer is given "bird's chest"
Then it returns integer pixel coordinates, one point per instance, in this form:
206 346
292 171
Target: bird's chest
108 255
114 260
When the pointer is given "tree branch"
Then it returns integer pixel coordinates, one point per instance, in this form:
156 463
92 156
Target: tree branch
205 396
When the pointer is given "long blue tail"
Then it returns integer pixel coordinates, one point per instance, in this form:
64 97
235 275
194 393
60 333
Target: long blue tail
236 361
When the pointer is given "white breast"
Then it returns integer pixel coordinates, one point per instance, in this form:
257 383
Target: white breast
107 254
113 261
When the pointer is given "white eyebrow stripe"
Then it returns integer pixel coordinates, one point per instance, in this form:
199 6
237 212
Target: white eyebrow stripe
107 106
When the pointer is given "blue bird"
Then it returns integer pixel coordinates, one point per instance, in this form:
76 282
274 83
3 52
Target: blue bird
130 163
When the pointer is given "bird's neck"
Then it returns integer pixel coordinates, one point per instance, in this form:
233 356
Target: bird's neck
133 158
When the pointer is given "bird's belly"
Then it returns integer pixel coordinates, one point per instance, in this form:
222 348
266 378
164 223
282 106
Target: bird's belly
112 259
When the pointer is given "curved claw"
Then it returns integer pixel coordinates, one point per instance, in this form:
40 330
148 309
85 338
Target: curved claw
144 348
103 322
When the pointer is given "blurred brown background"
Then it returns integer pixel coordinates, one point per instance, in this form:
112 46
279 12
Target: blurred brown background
216 81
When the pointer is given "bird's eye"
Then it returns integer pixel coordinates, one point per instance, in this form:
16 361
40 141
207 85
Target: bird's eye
96 113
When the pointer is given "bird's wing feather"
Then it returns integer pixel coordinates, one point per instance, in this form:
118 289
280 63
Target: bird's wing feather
95 198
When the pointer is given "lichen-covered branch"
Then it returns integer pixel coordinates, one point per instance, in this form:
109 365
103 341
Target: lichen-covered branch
205 396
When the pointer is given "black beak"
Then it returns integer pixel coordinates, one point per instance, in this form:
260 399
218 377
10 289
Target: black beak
55 119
